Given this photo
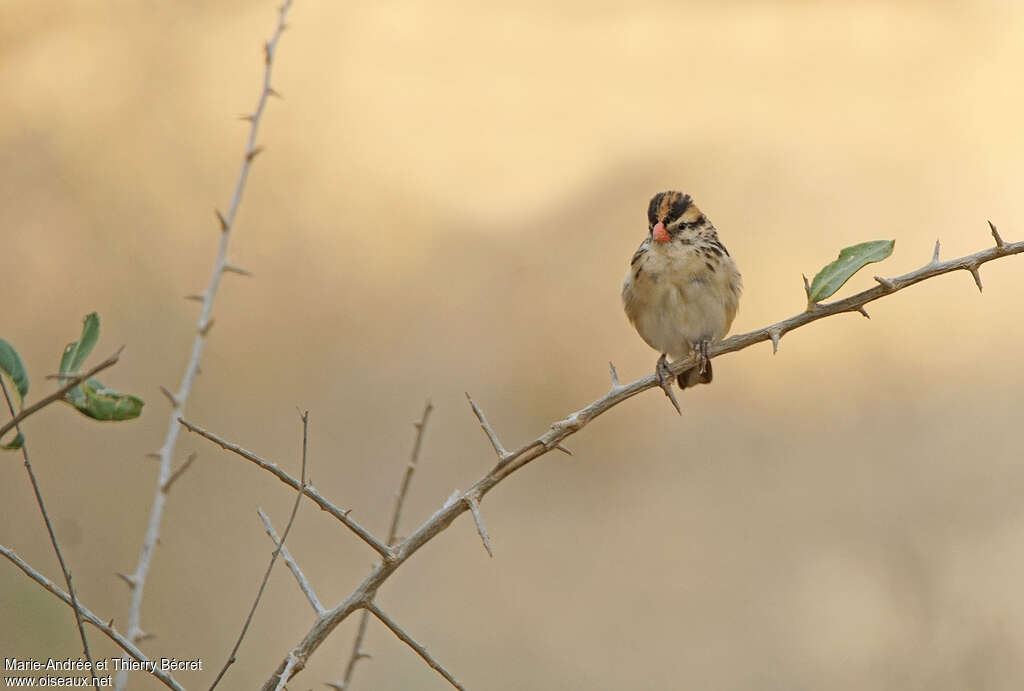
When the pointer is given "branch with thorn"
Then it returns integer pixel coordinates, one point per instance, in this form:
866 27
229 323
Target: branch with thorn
511 461
270 567
403 490
107 627
204 323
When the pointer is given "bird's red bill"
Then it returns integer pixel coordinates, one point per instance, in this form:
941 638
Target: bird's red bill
660 234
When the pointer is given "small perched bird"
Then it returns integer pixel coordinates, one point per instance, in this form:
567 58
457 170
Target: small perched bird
683 288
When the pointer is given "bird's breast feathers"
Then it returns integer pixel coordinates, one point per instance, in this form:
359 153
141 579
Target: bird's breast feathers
678 293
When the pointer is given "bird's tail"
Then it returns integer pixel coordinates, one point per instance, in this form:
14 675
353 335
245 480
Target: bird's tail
693 376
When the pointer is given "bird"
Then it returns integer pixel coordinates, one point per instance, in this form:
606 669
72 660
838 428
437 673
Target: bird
682 290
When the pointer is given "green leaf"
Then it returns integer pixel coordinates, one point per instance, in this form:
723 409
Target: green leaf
94 400
12 369
851 260
15 444
76 351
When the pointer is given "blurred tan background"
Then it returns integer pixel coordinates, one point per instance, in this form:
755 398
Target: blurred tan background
448 200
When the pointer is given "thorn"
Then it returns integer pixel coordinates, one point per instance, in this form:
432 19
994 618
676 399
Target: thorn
254 153
362 654
205 329
665 380
864 312
170 397
474 506
615 375
336 685
110 624
179 472
231 268
807 287
775 335
346 512
271 91
977 276
144 636
995 234
224 227
130 580
197 297
886 283
154 454
935 254
564 450
247 118
488 430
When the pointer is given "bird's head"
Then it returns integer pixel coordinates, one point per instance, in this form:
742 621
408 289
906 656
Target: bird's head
670 213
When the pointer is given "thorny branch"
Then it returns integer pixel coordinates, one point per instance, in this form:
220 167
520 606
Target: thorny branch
293 565
178 399
512 461
106 627
357 646
318 499
411 642
273 559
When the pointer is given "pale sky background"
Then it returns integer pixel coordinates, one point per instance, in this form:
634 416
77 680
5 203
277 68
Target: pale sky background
447 201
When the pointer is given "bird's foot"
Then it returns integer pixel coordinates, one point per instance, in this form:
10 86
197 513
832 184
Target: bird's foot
700 349
665 378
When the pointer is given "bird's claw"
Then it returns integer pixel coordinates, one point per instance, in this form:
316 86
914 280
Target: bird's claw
665 378
700 349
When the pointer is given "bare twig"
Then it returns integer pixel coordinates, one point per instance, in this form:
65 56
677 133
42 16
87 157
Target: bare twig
270 567
935 253
53 536
59 393
357 646
192 368
105 626
558 431
293 565
407 475
318 499
409 641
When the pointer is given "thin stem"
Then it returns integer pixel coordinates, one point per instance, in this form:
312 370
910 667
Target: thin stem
403 490
53 536
292 565
270 567
59 394
318 499
411 642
